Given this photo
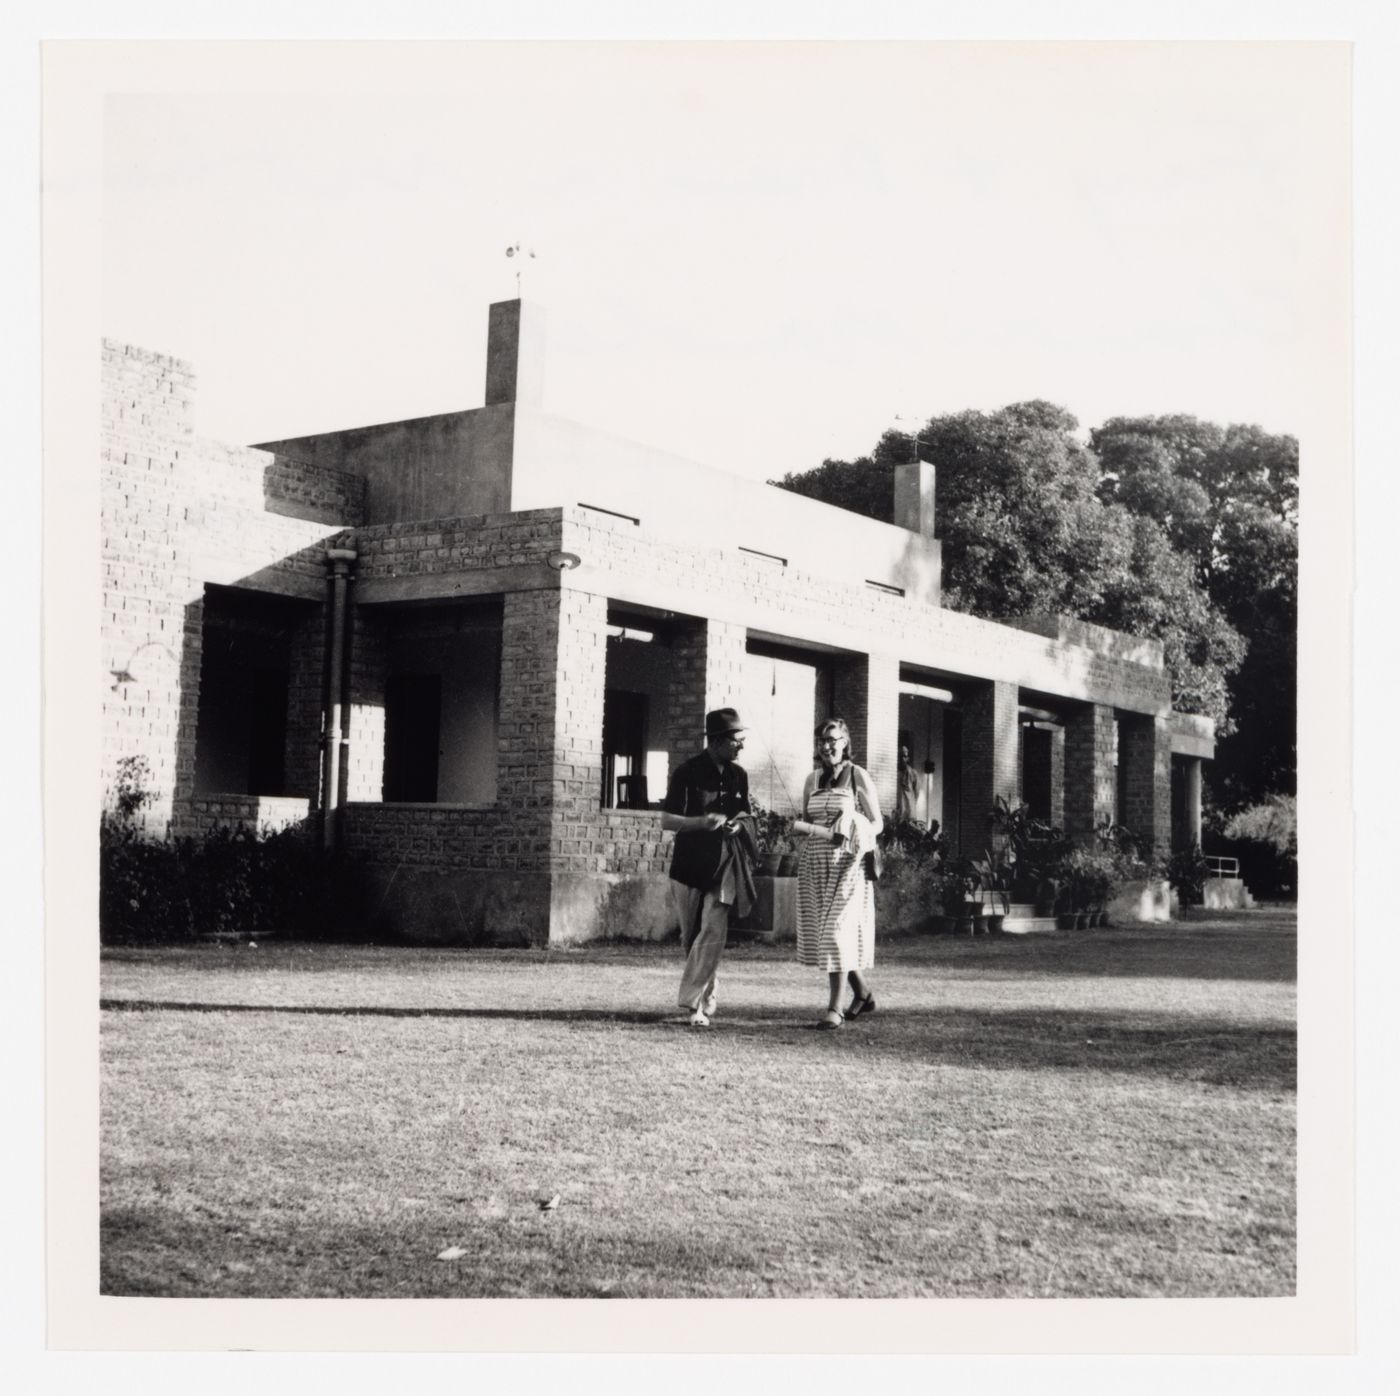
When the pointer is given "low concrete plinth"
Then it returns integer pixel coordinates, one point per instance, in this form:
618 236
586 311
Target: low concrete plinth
1151 900
1225 894
610 906
427 906
774 915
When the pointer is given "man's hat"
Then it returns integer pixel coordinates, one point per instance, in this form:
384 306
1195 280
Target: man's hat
722 722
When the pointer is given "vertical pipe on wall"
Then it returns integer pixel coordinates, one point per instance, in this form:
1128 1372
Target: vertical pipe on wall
334 738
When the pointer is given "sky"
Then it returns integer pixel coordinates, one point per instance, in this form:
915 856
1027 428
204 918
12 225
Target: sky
753 255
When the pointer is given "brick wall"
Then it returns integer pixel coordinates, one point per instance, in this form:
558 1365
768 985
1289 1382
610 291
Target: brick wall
468 543
263 814
453 837
1091 761
991 761
177 512
300 490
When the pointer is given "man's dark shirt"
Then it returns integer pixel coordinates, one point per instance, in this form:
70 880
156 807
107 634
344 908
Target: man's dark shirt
700 787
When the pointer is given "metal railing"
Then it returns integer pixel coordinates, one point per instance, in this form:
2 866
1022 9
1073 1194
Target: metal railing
1223 867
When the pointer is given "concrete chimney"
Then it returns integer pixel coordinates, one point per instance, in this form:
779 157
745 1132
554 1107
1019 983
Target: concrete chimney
515 341
913 497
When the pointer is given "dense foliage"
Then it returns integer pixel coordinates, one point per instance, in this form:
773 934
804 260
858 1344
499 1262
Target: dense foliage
229 881
1167 527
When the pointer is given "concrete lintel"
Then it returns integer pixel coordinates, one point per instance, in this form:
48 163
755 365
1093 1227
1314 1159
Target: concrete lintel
954 643
1192 735
437 586
1189 746
276 581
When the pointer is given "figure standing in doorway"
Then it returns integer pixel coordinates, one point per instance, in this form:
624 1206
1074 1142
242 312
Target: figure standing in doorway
711 871
906 800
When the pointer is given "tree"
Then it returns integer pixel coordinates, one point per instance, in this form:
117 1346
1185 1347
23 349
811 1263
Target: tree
1025 531
1228 500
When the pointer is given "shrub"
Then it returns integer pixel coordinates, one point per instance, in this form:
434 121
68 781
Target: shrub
229 881
1035 850
912 837
226 881
908 894
772 830
1187 871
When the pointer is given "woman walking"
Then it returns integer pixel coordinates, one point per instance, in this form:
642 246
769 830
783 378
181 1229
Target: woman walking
835 897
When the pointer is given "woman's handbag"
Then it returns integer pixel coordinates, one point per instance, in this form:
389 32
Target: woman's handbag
872 862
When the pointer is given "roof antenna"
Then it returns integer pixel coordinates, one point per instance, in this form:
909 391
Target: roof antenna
518 250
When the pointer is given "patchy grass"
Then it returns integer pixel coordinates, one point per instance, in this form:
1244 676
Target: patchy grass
1088 1114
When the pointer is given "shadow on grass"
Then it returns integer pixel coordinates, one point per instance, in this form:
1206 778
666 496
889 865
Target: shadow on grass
1261 949
534 1015
1212 1051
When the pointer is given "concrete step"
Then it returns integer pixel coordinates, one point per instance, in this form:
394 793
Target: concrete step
1027 925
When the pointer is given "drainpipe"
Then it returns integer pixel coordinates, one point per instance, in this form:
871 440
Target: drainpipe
335 733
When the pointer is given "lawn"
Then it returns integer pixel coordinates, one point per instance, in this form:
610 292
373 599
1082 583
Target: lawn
1093 1113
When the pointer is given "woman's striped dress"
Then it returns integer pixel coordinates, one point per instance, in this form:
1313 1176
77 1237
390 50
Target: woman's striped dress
835 899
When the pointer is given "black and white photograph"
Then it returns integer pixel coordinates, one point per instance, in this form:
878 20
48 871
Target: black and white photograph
697 687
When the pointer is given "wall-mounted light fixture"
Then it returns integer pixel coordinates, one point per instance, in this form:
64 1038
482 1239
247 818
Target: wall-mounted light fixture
563 562
630 632
124 674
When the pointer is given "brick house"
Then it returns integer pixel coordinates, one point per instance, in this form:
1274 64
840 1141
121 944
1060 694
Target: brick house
468 647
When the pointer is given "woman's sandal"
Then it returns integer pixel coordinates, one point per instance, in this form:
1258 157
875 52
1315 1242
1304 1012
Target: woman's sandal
860 1005
831 1020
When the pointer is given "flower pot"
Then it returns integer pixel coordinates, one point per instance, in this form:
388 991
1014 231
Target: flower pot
964 925
770 863
1065 920
787 865
996 922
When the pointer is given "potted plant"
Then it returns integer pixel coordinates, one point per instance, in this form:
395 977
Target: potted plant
994 874
773 832
960 901
1035 849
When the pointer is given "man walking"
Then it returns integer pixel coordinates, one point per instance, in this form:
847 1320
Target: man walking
704 795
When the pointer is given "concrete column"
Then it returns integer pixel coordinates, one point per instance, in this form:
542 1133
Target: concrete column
1090 777
1057 777
1146 755
991 743
866 694
707 672
1193 799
